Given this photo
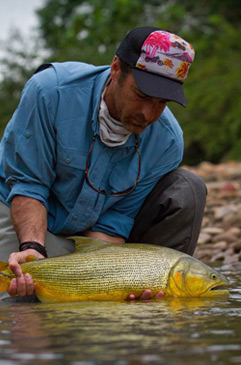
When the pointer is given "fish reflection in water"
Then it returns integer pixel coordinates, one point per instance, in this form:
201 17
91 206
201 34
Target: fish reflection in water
99 329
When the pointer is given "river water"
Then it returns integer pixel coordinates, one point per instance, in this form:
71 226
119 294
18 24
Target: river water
164 331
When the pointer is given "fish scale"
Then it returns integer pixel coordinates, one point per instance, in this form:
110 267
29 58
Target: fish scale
102 270
106 271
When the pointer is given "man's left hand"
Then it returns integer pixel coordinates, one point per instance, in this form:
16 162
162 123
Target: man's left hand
146 295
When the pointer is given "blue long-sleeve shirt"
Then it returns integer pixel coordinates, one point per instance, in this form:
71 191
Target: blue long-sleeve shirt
45 146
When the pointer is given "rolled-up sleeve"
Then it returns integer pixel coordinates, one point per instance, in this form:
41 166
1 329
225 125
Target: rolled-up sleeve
114 223
30 140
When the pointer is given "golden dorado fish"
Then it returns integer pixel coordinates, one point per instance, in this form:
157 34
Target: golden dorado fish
108 271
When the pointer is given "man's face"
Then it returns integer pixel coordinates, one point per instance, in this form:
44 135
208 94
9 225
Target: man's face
130 106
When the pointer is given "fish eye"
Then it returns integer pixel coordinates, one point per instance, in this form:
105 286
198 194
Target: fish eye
213 276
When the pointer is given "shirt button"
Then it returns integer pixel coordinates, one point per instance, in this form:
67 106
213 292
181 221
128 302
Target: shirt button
74 217
27 134
67 160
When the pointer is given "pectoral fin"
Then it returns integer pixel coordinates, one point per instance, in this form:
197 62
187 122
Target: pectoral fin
50 295
4 277
43 294
3 265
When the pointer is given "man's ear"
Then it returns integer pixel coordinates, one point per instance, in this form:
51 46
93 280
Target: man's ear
115 68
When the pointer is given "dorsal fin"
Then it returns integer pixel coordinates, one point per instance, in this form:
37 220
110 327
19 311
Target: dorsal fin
87 244
31 258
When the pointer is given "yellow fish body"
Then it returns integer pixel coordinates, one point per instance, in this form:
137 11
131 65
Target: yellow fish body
106 271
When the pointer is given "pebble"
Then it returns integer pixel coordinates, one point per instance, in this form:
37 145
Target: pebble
222 212
236 231
236 245
204 237
226 237
220 236
213 230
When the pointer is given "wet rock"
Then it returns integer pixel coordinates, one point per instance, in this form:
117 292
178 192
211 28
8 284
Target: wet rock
203 254
231 259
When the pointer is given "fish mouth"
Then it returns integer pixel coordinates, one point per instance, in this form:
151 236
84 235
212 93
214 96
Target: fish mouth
220 287
217 289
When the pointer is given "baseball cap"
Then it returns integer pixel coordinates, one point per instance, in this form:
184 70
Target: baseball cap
160 61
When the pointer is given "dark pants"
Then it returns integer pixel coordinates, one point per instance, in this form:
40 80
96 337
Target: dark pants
172 213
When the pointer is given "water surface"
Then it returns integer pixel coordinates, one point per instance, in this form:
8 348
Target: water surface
165 331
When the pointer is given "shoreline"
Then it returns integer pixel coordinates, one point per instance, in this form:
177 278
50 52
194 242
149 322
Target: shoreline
220 237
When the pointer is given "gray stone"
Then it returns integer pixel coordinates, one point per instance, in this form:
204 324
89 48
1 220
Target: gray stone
224 237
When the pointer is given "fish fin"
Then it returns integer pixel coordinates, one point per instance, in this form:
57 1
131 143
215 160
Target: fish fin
3 265
4 278
43 294
31 258
46 295
3 285
87 243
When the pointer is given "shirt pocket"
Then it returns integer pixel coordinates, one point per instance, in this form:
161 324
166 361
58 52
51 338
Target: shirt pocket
70 175
69 159
121 180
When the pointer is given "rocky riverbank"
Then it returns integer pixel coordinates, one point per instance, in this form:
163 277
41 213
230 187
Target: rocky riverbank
220 237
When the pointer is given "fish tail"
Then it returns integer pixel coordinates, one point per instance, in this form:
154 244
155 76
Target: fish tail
4 278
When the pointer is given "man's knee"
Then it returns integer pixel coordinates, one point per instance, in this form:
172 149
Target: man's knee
181 189
189 185
193 179
172 213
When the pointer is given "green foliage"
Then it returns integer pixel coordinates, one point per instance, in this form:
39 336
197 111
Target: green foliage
211 123
90 31
19 62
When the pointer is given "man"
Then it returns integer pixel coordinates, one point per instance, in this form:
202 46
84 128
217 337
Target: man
94 151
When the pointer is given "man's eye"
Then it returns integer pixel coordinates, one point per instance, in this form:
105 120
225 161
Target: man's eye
141 96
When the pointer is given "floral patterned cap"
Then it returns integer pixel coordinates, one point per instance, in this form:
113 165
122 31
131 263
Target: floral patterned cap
160 61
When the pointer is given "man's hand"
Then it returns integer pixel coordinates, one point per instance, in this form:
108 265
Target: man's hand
146 295
23 284
29 217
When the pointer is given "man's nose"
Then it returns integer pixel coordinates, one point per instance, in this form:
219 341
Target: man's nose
151 110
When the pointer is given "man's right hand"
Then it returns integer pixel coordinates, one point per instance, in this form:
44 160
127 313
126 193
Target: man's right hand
23 284
29 217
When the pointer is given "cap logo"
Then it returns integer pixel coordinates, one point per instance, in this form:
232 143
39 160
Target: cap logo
166 54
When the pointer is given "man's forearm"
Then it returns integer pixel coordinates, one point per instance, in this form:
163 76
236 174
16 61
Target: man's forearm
29 217
103 236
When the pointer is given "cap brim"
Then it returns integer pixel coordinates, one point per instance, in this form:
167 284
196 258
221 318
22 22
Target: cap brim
159 86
